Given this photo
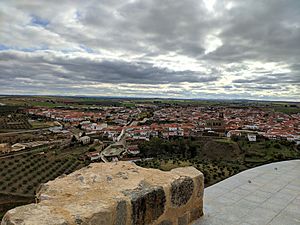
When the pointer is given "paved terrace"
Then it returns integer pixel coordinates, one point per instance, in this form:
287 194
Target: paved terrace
266 195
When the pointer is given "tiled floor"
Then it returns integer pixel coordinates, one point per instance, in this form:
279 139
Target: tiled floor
266 195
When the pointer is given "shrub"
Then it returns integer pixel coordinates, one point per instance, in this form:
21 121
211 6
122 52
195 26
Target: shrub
13 189
277 146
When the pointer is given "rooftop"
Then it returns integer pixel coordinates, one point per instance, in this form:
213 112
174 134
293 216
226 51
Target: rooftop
265 195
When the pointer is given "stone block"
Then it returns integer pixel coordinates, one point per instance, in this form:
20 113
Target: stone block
165 222
148 204
181 191
32 214
115 194
196 213
121 213
183 220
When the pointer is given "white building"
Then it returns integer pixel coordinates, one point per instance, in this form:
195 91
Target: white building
250 127
85 140
251 137
94 156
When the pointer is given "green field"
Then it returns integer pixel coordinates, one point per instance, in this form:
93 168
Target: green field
268 151
86 102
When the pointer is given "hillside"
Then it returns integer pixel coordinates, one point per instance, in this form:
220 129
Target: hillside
217 158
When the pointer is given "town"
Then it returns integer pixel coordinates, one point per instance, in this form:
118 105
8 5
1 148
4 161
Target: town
124 127
43 138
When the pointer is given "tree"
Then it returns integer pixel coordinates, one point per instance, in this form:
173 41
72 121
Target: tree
277 146
73 141
193 150
92 149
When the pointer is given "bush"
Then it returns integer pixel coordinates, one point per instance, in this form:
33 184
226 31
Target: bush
277 146
92 149
13 189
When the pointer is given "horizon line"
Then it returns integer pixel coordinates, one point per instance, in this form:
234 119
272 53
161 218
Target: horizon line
139 97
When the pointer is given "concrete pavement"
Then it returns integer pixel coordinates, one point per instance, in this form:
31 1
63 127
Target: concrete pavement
265 195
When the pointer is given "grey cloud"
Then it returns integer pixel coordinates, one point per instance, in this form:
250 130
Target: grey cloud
78 70
279 78
258 87
227 86
264 30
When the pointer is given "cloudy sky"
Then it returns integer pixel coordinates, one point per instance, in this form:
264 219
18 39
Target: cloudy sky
151 48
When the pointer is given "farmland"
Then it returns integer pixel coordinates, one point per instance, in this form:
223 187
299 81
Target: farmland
14 122
21 176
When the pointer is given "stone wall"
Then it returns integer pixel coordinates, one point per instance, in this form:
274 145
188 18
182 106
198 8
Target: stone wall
116 193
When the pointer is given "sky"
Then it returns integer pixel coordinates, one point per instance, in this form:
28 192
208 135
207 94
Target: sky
218 49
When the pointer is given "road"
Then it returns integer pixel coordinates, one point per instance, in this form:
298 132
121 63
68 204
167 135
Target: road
135 122
23 131
103 157
25 152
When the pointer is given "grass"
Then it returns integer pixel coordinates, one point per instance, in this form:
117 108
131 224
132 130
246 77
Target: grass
266 151
40 124
128 104
171 164
225 141
286 110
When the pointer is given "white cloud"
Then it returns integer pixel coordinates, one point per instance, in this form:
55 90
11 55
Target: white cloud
212 43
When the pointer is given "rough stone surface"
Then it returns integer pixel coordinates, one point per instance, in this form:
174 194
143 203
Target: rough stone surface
166 222
114 193
195 214
121 212
147 205
181 191
183 220
23 215
147 201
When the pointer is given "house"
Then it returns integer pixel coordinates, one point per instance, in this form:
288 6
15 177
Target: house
94 156
56 129
133 149
215 125
85 140
251 127
5 148
251 137
233 133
